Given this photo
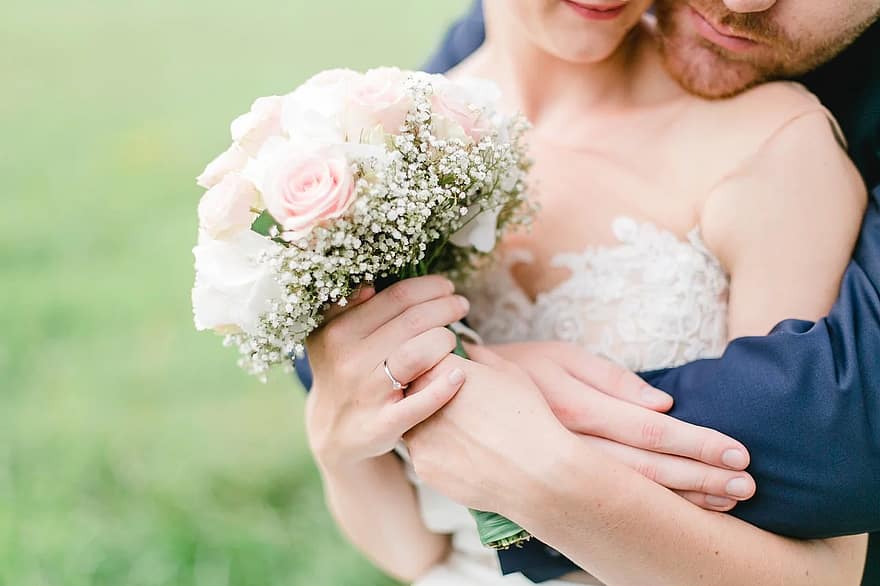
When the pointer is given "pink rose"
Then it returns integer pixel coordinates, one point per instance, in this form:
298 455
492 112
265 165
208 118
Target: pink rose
305 189
225 209
251 130
232 159
454 114
379 98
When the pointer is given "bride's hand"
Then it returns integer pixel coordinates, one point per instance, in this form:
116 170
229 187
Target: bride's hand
617 412
353 411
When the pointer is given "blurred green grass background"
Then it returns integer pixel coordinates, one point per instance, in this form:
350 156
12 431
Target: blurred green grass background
132 449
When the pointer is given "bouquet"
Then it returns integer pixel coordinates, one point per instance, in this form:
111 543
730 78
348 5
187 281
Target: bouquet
352 179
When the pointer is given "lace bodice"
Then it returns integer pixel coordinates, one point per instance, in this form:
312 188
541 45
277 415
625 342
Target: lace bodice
651 301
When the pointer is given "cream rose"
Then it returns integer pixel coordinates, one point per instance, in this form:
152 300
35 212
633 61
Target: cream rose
233 290
460 110
304 189
250 130
380 98
225 209
230 160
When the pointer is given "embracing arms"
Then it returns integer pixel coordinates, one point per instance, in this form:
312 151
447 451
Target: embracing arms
601 512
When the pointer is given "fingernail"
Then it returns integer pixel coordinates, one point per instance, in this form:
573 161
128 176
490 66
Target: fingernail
652 396
719 501
456 377
739 487
451 286
736 459
464 303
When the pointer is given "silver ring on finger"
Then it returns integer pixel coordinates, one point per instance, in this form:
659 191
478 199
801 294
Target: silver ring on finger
395 384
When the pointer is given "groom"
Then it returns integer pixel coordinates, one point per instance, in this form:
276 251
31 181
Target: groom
805 400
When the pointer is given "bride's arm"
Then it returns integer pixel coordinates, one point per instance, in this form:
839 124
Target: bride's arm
784 226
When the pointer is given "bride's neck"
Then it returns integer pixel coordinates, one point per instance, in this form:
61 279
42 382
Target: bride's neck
542 85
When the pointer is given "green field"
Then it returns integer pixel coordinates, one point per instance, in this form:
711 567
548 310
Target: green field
132 449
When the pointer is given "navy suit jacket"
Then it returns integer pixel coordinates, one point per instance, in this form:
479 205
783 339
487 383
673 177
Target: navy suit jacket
805 399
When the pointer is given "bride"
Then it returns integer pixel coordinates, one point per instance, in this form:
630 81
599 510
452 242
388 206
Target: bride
670 224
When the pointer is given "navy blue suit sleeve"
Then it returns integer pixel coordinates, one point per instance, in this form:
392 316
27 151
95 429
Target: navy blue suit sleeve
462 39
805 400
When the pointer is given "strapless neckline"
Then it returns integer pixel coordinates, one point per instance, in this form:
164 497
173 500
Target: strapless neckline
651 300
625 229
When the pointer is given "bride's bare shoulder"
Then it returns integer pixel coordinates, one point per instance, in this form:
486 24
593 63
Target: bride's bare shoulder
765 109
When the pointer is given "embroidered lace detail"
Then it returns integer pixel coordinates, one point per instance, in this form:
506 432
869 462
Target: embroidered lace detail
652 301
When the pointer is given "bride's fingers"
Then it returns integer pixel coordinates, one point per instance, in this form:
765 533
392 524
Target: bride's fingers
678 473
426 399
420 354
361 295
612 379
706 501
396 300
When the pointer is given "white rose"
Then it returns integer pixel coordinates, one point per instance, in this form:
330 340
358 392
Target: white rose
252 129
233 290
225 209
480 230
231 160
310 113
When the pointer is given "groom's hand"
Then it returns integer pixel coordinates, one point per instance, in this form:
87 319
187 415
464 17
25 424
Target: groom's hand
616 411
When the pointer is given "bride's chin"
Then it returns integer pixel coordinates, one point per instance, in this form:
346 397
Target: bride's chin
583 55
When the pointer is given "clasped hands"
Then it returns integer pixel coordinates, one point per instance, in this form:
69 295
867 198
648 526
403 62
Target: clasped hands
480 430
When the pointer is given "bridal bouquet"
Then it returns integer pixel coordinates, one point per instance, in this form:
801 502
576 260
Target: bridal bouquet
351 179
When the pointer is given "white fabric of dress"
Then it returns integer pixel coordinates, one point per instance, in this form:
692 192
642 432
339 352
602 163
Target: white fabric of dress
649 301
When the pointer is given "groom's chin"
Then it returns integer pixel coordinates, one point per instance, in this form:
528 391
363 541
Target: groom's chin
702 71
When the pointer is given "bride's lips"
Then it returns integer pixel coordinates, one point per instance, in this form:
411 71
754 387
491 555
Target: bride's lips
597 10
719 35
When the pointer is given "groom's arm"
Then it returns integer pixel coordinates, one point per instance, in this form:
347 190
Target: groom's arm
805 400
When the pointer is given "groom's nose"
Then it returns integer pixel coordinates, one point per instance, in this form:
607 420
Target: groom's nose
749 5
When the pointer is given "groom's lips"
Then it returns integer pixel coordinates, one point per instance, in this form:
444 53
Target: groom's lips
607 11
720 35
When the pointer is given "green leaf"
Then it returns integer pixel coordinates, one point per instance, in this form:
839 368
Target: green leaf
263 224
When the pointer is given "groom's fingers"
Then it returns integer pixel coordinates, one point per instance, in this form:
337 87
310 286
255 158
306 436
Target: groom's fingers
612 379
604 416
708 502
680 474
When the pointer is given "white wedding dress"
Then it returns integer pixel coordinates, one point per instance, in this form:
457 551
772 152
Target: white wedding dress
649 301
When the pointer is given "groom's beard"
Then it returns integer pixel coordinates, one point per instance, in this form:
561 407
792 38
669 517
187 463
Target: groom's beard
707 70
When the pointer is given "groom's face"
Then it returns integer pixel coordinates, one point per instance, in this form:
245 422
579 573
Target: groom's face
718 48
